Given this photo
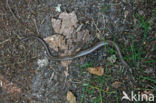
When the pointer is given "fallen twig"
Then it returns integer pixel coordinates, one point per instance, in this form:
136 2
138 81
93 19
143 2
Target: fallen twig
11 11
5 41
34 20
96 26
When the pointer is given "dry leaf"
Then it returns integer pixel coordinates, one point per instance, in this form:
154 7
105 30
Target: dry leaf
97 71
70 97
56 24
82 36
66 73
112 59
68 35
107 89
69 22
116 84
66 27
66 63
56 41
70 17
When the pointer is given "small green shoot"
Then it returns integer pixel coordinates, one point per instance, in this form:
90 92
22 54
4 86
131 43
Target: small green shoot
149 79
86 65
154 10
117 98
144 24
104 8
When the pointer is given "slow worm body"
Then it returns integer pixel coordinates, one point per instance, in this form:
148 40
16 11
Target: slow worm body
82 53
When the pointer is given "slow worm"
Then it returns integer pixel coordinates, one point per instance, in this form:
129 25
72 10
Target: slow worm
82 53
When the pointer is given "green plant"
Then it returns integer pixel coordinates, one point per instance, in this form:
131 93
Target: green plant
104 8
148 78
154 10
86 65
93 89
144 24
136 49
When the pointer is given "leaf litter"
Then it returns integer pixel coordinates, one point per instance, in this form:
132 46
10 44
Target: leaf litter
70 97
68 37
99 71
